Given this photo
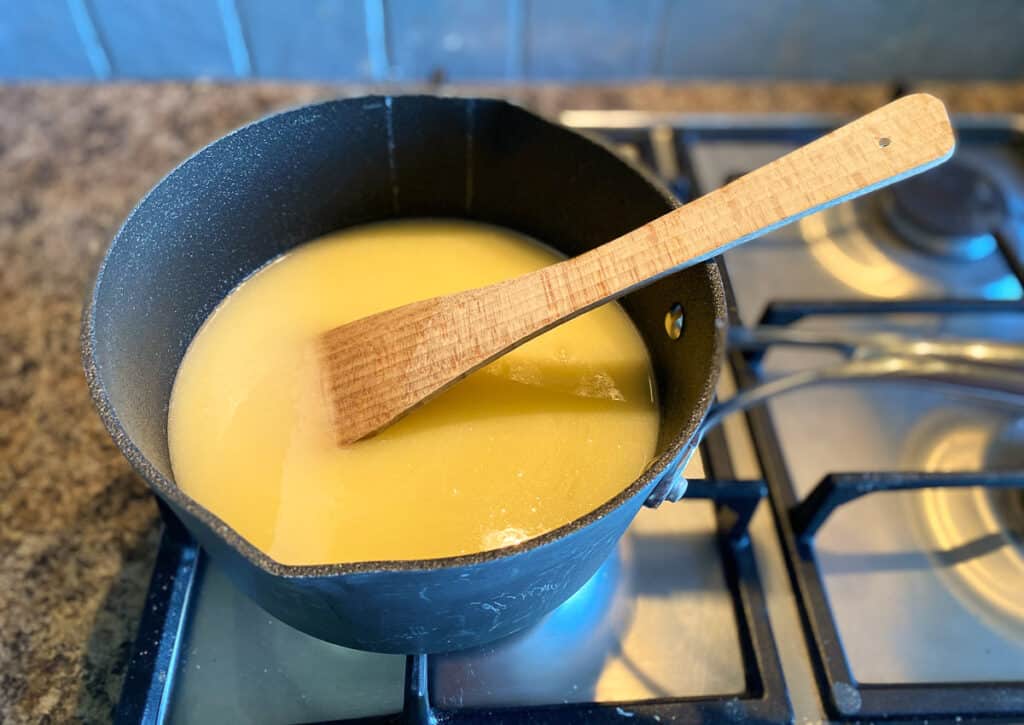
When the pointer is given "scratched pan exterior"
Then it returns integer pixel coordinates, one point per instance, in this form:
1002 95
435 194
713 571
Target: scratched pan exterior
302 173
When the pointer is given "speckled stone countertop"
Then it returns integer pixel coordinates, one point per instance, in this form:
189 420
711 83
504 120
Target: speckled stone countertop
78 530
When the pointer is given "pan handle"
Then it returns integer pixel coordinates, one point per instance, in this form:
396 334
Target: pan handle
855 343
966 378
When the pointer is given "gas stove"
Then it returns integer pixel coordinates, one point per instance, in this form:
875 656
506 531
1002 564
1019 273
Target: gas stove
850 550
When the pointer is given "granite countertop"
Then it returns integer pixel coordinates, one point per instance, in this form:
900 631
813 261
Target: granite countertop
78 529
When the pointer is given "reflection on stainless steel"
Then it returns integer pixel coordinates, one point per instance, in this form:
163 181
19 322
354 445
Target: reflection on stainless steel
830 255
951 211
1009 508
630 151
561 657
633 632
967 247
663 146
238 664
855 342
859 248
852 242
964 379
976 533
901 618
1006 452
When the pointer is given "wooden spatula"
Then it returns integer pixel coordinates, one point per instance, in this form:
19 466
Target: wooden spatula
377 368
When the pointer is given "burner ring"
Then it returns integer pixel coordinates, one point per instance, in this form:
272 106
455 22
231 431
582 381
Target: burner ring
990 521
968 248
953 200
950 211
1009 510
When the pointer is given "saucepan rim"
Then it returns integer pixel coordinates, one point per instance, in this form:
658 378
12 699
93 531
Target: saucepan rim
662 465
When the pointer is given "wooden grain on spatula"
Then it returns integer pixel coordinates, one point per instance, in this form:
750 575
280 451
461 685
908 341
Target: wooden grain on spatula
376 369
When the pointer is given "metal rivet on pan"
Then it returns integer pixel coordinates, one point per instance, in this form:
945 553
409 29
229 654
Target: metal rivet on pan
674 320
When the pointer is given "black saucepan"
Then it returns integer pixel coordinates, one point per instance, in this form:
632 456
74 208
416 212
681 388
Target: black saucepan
297 175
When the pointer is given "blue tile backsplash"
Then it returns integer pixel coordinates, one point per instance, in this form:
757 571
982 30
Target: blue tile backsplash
40 39
512 40
327 40
461 40
153 40
592 39
860 40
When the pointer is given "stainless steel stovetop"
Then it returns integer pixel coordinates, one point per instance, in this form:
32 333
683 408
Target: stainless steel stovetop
876 578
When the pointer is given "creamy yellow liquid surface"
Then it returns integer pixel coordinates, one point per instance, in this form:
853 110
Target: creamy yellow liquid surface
541 436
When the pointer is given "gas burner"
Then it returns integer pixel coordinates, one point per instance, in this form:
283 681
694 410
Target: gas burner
1011 511
1007 453
976 534
950 211
626 636
857 244
561 659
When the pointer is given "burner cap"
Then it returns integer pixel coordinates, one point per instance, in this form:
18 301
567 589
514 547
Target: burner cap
952 200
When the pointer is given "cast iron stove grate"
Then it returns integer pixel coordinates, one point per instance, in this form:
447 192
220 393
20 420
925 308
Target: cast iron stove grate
149 677
798 520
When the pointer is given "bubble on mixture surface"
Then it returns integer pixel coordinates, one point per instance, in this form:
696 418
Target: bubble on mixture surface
599 385
523 372
504 537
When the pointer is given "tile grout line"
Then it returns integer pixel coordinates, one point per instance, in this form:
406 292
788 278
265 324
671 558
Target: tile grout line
238 48
88 33
515 56
657 39
377 38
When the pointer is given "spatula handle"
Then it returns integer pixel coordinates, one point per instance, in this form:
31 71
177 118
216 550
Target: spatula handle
383 365
906 136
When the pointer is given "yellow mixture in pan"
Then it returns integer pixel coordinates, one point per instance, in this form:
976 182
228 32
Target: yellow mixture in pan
539 437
